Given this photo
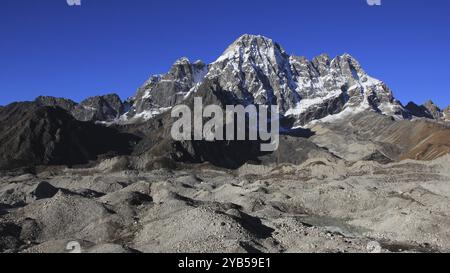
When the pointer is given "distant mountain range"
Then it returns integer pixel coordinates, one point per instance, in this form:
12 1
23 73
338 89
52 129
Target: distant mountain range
345 112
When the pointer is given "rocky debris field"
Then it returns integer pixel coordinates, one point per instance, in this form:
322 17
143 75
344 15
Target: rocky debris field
322 205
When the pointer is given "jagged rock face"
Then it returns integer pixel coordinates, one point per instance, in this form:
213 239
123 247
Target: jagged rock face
435 112
33 135
161 92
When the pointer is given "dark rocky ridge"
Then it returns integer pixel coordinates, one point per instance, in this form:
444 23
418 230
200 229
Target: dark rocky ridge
419 111
428 110
63 103
32 135
100 108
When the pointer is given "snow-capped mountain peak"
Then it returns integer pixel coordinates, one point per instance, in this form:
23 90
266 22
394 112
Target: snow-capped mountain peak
255 69
253 48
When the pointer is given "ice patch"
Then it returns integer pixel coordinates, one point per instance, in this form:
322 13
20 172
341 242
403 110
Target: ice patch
306 104
149 114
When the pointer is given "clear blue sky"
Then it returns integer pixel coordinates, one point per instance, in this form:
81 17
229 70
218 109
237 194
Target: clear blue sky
49 48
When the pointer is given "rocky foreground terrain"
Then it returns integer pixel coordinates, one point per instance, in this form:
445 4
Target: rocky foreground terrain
321 205
356 170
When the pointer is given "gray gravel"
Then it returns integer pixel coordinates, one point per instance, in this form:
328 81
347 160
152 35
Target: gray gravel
322 205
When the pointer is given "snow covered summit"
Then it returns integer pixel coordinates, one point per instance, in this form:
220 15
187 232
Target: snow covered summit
255 69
